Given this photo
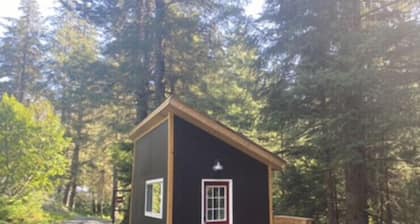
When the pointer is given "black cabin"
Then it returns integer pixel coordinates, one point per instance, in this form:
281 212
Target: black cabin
190 169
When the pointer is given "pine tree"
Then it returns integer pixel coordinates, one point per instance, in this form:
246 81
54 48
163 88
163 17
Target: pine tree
21 53
337 85
157 45
78 88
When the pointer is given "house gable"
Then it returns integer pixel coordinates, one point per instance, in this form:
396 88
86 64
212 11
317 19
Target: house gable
238 141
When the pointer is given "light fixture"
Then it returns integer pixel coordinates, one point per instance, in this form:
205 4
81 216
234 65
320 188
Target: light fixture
218 166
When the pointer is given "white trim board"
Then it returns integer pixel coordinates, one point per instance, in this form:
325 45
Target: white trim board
203 191
148 213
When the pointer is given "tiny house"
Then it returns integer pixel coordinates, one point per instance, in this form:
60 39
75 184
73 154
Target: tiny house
191 169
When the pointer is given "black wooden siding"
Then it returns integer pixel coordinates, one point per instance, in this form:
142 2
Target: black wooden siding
195 153
150 163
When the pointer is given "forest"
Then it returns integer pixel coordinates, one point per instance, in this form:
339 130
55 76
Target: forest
331 86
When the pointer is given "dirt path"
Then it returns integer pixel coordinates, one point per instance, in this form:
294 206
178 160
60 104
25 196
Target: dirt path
85 221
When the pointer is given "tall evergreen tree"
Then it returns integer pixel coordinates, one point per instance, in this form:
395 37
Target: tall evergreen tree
78 88
338 87
21 53
158 45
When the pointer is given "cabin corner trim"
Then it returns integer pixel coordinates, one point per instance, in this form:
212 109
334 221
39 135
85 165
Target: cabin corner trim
270 195
170 184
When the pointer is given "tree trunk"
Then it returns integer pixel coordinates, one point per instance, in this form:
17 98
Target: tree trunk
101 193
356 193
99 208
159 51
93 203
143 57
355 170
64 107
142 106
332 197
66 196
75 166
114 192
20 88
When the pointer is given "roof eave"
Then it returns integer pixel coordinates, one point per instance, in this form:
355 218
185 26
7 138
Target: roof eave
158 114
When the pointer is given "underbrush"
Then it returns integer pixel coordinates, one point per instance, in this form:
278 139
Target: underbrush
33 209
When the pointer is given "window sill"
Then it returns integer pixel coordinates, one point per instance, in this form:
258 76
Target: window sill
153 215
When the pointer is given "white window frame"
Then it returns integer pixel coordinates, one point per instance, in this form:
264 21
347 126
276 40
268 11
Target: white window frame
203 197
151 213
225 204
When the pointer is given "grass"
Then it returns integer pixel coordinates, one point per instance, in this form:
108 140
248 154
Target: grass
58 213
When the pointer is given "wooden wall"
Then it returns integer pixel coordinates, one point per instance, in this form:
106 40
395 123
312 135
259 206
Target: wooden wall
151 152
196 152
291 220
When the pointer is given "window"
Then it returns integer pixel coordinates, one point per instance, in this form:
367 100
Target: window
216 203
154 198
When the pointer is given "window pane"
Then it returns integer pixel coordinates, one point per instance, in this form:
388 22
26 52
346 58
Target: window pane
157 193
222 203
221 214
149 198
209 192
209 215
216 203
216 214
216 192
222 192
210 203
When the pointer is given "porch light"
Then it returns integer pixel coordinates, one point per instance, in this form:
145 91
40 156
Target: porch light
218 166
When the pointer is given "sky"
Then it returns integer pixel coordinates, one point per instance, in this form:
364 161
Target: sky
254 8
9 8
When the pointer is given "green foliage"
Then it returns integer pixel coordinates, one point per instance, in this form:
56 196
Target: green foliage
57 212
32 148
299 190
341 93
122 154
27 209
77 77
408 199
230 90
158 47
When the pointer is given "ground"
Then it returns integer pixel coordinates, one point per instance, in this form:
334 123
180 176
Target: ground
86 221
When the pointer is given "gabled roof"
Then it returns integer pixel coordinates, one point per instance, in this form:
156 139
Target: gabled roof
209 125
